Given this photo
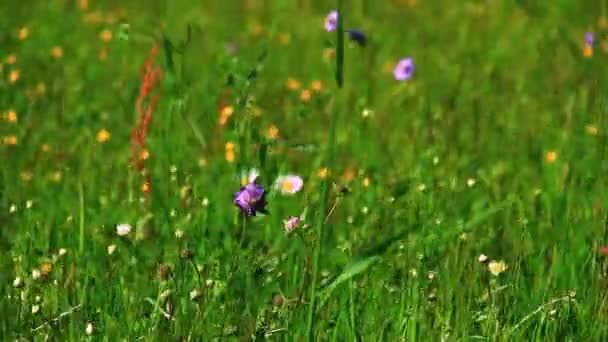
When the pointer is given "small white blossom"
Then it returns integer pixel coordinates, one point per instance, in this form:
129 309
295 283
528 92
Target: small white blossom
123 229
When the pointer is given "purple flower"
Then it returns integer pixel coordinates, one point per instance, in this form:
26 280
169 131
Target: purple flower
251 199
404 69
357 36
589 38
331 21
291 224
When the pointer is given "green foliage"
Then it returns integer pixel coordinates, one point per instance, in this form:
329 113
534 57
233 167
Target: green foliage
496 146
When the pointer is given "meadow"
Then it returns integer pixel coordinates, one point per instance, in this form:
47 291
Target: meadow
399 170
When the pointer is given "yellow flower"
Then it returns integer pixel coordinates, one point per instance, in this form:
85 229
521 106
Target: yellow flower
497 267
293 84
106 35
57 52
10 140
366 182
14 76
11 59
305 95
323 172
284 38
11 116
229 153
45 147
591 129
83 4
146 187
23 33
272 132
103 136
551 156
316 85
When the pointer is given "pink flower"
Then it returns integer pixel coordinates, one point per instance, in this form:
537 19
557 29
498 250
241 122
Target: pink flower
289 184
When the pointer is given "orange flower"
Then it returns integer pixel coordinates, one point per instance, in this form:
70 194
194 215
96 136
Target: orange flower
146 187
103 136
588 51
551 156
225 114
305 95
144 155
83 4
11 116
23 33
293 84
105 35
272 132
11 59
10 140
14 76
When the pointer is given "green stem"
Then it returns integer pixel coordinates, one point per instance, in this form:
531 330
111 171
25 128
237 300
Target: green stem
81 218
329 158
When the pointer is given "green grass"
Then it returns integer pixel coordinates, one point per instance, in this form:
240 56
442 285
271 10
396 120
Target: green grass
496 146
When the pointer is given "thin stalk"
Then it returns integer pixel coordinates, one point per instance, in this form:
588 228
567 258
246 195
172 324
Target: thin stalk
329 158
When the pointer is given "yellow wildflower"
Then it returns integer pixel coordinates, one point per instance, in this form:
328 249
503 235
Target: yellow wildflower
293 84
272 132
23 33
10 140
11 59
551 156
106 35
14 76
11 116
57 52
103 136
230 154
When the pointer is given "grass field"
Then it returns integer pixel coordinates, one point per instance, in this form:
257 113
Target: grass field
464 203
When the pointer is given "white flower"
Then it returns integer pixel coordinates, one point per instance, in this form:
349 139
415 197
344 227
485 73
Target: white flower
89 329
36 273
482 258
289 184
111 249
123 229
497 267
249 176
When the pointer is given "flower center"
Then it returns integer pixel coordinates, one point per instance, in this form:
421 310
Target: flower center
287 186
